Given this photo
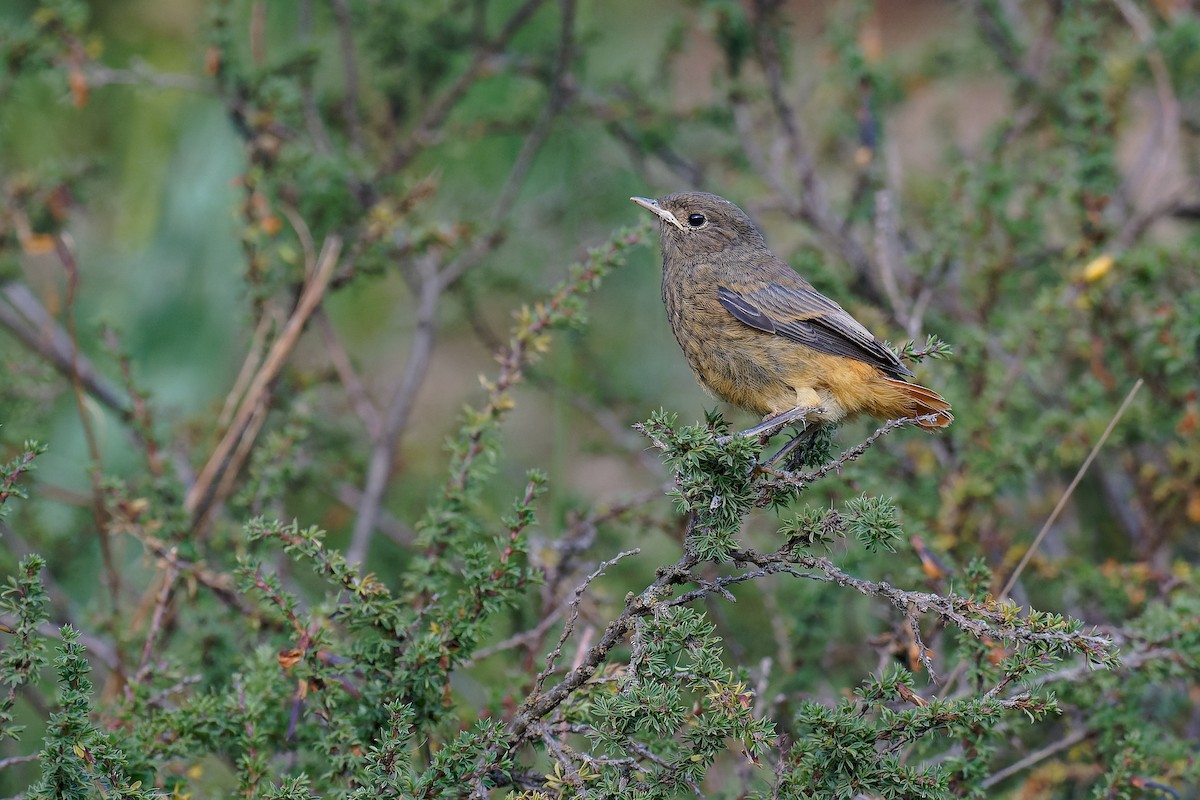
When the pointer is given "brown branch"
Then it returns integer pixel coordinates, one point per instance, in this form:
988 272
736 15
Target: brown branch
230 453
1057 746
987 620
539 703
555 103
356 392
250 366
141 420
889 260
527 638
802 480
811 205
167 581
219 583
258 33
400 406
11 761
350 95
396 530
433 281
438 110
23 315
569 627
1129 661
1153 163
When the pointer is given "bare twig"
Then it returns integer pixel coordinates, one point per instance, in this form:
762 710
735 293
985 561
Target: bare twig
979 619
219 583
888 257
140 418
400 406
555 103
395 529
1062 501
258 33
27 319
539 703
519 640
923 656
803 480
250 365
170 573
569 627
1129 661
356 392
433 281
1057 746
11 761
230 453
139 73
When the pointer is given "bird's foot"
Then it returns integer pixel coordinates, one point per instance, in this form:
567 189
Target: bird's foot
773 425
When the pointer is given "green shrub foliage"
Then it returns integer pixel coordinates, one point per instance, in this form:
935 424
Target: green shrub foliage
277 546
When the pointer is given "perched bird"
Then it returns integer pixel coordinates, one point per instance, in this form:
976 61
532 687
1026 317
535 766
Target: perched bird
761 337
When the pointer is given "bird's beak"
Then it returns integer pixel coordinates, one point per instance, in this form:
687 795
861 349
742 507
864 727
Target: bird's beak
654 207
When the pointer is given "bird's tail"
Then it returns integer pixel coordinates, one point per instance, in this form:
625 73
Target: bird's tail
912 400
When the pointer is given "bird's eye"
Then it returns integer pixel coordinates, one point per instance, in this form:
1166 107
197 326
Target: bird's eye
696 220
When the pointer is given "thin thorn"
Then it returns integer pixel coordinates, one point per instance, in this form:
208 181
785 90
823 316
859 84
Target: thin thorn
1062 501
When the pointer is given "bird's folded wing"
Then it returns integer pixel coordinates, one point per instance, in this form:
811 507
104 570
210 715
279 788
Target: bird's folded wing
804 315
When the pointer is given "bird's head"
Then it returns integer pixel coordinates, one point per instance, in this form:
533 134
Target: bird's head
698 224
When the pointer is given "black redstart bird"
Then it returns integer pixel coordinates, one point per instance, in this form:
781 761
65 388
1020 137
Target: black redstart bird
761 337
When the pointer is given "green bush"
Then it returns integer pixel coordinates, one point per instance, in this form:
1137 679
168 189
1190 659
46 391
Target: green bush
280 544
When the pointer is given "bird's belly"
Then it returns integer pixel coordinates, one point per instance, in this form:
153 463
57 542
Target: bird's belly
747 368
759 371
764 373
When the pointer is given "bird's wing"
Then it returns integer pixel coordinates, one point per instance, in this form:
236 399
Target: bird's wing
801 313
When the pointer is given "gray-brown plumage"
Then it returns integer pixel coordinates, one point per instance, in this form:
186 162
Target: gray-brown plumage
761 337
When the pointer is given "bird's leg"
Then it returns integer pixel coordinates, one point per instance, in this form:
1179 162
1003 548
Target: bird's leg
789 449
808 402
773 425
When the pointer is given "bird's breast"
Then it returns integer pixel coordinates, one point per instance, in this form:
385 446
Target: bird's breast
733 361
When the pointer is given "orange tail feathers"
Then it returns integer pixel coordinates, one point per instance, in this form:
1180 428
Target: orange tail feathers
913 400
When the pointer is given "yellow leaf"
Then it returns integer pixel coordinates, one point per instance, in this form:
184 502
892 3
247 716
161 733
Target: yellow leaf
1193 505
1098 267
